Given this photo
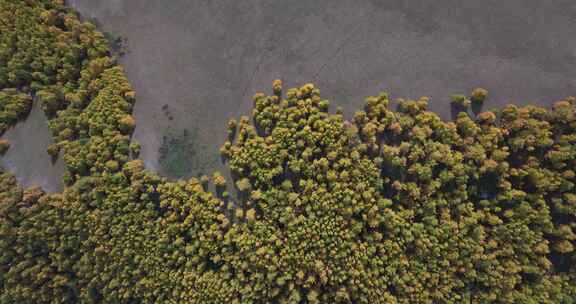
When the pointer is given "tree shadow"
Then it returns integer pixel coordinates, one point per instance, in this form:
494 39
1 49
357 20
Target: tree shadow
476 108
456 109
54 158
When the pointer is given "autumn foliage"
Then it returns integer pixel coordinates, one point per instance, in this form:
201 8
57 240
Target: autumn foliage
390 206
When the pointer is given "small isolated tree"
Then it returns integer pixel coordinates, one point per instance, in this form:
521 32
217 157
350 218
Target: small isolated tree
479 95
4 146
460 100
53 150
277 86
219 181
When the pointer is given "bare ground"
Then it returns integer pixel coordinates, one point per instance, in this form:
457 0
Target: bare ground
195 64
27 158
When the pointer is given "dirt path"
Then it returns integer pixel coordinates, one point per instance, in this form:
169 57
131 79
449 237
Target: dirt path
195 64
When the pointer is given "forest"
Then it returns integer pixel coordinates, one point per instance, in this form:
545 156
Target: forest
390 206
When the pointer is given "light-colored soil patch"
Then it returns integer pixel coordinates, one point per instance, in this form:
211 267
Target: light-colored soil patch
27 158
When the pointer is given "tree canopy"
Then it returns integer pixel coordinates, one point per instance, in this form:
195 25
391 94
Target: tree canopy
391 206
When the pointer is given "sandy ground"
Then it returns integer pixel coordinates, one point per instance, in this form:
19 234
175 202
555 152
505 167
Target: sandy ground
203 60
27 158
